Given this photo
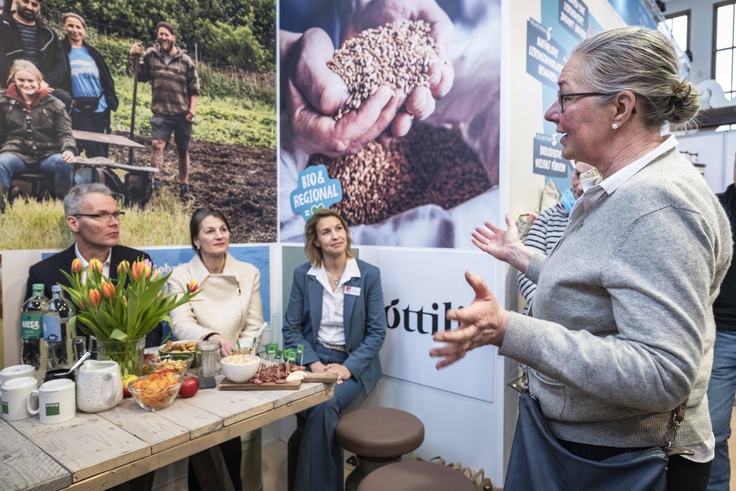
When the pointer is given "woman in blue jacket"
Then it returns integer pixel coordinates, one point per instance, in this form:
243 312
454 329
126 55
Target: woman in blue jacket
336 311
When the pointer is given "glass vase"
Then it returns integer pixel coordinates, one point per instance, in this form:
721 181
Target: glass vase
128 354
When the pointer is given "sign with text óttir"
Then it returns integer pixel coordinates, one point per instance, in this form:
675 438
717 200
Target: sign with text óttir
548 159
315 191
416 302
545 57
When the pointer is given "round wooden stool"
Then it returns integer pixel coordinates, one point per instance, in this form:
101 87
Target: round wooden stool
377 436
413 475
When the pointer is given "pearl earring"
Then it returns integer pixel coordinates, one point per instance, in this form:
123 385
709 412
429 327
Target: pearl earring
614 126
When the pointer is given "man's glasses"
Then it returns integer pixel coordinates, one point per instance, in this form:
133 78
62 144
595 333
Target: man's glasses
102 217
561 97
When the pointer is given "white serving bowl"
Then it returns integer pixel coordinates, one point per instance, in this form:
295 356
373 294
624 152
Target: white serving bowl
240 372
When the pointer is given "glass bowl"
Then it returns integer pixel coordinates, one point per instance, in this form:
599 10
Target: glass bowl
175 364
179 350
156 391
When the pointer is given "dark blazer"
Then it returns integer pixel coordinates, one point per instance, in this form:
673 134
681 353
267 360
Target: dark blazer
48 272
364 318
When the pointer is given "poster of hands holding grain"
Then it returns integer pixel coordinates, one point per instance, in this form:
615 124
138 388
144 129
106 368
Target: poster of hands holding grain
389 114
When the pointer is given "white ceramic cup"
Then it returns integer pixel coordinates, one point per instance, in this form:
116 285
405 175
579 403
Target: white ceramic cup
16 371
15 394
56 401
99 386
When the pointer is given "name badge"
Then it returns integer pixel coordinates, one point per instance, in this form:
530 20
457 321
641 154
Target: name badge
352 290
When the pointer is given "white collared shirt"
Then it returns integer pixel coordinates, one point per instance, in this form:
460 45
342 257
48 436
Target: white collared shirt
594 189
331 326
85 263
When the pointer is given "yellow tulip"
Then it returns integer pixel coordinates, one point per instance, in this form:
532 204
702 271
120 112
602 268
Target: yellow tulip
95 265
124 266
76 265
192 287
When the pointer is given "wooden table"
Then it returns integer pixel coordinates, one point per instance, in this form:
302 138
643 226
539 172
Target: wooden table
106 138
99 451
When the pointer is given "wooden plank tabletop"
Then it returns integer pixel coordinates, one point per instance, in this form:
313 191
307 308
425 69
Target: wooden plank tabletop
85 445
99 451
24 466
105 138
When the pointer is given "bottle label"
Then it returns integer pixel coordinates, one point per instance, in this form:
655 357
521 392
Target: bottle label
31 325
52 327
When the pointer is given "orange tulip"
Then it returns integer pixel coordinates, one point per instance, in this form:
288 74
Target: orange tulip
81 305
76 265
192 286
108 289
125 266
95 297
136 270
95 265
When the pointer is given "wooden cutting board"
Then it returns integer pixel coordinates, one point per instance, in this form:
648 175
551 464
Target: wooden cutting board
323 378
228 385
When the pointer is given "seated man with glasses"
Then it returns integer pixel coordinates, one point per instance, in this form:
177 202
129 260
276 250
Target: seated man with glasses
93 216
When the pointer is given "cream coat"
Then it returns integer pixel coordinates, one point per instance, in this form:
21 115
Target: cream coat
229 303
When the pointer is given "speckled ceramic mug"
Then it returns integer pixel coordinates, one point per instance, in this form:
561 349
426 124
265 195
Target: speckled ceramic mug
99 386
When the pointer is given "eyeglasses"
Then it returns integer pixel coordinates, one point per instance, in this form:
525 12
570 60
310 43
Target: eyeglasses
102 217
561 97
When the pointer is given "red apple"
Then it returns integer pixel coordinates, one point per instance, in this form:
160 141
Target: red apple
189 387
126 380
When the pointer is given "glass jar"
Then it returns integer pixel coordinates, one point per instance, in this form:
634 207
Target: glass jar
207 356
128 354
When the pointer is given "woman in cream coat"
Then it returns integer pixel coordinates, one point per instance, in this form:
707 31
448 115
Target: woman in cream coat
229 306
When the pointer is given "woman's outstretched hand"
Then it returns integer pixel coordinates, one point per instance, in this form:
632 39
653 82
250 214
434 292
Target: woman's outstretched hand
482 322
504 245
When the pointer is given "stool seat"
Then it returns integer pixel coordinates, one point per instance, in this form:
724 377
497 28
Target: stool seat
379 432
412 475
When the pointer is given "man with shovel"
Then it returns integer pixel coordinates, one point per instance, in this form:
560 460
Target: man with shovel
175 91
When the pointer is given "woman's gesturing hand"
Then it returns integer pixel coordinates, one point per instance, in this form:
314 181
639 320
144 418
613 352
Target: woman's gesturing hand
482 322
504 245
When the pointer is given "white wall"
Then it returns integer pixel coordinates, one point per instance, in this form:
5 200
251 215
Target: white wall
717 150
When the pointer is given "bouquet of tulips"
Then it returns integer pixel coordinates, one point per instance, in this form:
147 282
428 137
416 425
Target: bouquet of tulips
125 310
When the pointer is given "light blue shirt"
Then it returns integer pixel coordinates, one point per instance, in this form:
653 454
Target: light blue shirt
86 76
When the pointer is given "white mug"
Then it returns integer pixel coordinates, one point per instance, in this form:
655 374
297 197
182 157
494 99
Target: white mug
99 386
15 394
16 371
56 401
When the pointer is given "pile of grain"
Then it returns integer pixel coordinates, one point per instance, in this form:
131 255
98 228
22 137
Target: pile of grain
430 165
397 55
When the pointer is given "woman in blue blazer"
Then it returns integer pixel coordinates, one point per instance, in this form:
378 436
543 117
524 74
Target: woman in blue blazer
336 311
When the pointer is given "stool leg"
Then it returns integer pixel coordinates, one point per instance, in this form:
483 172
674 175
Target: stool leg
365 467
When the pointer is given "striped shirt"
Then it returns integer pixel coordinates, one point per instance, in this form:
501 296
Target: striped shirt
172 84
30 44
543 235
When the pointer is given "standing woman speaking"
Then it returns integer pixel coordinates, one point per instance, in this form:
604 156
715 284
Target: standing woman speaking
92 85
620 331
336 312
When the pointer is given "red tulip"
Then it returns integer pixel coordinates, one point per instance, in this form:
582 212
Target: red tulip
95 297
192 287
76 265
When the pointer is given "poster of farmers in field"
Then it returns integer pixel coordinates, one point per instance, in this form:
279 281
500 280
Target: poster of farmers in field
389 114
196 81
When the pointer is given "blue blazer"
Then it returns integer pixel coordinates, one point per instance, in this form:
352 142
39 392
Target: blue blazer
364 318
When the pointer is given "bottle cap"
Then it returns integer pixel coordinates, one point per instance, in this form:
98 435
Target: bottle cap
56 288
38 286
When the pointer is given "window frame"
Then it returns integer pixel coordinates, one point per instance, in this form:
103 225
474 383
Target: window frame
687 14
728 93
